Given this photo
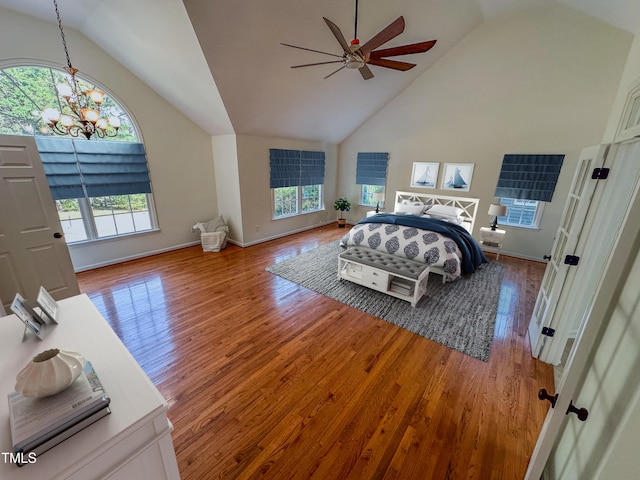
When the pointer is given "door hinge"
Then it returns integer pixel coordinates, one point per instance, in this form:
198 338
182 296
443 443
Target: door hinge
548 332
571 260
600 173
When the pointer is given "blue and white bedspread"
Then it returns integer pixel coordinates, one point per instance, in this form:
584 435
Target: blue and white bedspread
435 242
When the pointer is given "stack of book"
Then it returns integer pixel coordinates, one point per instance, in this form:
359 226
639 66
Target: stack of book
38 424
400 285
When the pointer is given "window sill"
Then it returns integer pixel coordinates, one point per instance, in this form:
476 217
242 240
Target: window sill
525 227
124 236
293 215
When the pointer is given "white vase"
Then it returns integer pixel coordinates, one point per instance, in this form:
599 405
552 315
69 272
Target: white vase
49 372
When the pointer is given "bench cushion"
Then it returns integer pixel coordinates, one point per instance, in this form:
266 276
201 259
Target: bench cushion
384 261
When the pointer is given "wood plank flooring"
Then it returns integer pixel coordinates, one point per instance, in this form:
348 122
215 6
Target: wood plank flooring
266 379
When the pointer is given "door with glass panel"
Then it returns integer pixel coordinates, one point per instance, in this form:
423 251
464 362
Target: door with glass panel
558 274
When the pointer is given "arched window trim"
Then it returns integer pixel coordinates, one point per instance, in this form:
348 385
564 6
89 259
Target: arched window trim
30 62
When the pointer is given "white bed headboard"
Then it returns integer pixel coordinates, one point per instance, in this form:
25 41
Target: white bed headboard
469 206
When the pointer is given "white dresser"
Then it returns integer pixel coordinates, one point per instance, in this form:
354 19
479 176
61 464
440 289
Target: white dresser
133 442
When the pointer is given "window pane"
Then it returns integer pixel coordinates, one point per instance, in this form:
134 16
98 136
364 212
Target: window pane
367 194
103 216
71 220
519 212
285 201
120 214
311 198
140 212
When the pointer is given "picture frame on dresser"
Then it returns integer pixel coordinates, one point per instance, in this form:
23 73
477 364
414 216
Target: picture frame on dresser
425 174
457 176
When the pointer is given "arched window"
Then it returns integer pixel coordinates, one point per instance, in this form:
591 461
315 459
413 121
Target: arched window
25 92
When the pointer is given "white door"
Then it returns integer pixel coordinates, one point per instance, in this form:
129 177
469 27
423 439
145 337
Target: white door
601 373
33 251
558 274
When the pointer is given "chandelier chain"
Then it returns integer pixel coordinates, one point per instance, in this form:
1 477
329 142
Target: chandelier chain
83 114
64 40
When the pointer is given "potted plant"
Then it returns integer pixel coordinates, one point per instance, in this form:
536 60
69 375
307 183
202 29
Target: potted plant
343 205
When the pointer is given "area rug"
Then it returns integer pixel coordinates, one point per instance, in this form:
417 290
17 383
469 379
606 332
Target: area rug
460 315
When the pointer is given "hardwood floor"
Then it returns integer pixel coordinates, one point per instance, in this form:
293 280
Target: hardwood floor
266 379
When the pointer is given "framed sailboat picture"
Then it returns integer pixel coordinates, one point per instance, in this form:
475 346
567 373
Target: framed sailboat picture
424 175
457 176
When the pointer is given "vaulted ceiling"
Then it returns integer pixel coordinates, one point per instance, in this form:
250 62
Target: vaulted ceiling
222 64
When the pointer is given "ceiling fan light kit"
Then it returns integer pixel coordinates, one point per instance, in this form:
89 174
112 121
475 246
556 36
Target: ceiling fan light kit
357 57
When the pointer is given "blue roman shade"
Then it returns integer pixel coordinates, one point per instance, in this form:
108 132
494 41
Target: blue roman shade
293 168
529 177
79 168
371 168
60 167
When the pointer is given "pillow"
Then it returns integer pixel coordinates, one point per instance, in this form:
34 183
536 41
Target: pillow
216 225
413 208
427 205
447 213
446 210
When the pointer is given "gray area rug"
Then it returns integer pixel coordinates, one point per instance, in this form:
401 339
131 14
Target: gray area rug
460 315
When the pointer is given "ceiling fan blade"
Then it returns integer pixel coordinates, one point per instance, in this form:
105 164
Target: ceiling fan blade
336 71
338 34
318 63
392 30
366 72
311 50
384 62
420 47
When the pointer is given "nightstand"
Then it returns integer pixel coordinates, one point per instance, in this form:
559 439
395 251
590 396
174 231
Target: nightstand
491 240
371 213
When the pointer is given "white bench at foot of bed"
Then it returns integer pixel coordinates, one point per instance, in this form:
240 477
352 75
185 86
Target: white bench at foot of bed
399 277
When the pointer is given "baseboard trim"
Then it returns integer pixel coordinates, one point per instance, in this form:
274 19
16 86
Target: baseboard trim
280 235
134 257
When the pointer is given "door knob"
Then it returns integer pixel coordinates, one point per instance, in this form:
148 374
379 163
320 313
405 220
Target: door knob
58 235
582 413
544 395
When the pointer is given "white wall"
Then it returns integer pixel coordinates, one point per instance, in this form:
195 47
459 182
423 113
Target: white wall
180 154
225 154
538 81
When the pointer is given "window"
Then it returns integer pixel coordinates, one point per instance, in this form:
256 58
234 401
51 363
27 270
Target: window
521 213
288 201
296 179
371 174
85 215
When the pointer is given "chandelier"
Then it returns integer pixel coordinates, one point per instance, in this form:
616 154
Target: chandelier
83 115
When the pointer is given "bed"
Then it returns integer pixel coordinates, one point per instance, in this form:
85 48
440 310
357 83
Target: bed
433 229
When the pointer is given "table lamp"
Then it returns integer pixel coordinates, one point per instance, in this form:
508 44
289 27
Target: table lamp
378 197
497 210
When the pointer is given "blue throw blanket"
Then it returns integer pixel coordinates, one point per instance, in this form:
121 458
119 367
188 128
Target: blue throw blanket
472 254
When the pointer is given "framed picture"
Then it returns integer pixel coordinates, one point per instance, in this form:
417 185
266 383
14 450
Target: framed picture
28 316
48 305
424 175
457 176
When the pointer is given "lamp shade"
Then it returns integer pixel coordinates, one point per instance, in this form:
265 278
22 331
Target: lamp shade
497 210
378 197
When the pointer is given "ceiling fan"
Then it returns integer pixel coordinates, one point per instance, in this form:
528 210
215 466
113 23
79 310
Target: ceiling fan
359 57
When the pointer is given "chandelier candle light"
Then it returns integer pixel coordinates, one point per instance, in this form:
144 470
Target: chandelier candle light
85 116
